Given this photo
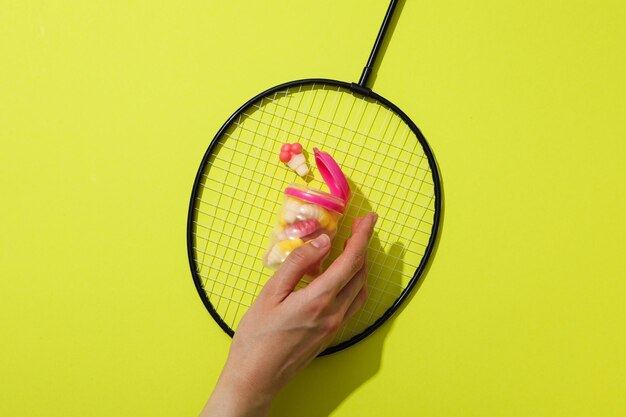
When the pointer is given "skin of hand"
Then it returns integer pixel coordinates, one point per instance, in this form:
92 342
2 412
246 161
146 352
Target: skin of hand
285 329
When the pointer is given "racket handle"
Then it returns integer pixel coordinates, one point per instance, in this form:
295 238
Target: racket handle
369 68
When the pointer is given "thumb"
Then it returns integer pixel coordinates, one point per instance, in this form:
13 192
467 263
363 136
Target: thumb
299 261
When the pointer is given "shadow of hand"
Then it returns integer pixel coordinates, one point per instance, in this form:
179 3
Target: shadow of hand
329 380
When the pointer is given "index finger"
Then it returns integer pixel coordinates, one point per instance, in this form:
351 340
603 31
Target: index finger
341 271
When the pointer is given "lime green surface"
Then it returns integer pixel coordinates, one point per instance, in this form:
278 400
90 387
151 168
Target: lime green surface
106 109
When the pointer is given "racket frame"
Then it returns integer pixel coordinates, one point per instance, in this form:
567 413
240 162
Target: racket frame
356 89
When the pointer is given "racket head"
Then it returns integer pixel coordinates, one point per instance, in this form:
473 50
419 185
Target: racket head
224 146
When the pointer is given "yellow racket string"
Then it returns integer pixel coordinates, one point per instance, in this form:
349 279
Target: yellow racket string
242 190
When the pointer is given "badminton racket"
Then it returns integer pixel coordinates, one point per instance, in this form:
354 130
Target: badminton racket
239 187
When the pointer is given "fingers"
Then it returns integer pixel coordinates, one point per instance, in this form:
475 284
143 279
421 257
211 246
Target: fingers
355 224
357 287
299 261
346 296
351 260
356 305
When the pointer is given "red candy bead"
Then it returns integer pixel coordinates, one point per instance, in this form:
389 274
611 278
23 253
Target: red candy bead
285 148
296 148
285 156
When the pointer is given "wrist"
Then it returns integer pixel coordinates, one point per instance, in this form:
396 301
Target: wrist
242 395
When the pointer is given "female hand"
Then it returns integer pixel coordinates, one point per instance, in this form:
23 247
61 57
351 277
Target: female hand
284 329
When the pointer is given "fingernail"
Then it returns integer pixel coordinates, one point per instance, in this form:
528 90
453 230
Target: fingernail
321 241
373 220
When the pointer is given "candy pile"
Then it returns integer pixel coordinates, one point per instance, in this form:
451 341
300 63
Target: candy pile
298 222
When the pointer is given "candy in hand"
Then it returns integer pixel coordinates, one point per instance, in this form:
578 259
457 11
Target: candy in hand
295 210
280 250
291 154
312 211
299 229
327 221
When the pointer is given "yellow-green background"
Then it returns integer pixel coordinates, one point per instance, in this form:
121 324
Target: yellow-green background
107 107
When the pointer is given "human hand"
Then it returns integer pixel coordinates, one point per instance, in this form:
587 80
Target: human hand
285 329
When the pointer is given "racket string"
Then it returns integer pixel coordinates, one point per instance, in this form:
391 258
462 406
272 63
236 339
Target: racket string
239 178
344 127
327 133
258 287
261 248
364 147
380 204
377 150
371 261
424 172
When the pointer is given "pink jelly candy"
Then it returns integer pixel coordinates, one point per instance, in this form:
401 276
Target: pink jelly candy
299 229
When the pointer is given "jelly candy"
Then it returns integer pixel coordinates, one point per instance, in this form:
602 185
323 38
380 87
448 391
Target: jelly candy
291 154
281 250
298 229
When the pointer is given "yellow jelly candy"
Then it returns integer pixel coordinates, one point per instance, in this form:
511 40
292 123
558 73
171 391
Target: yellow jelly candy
327 221
293 203
290 244
281 218
279 251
